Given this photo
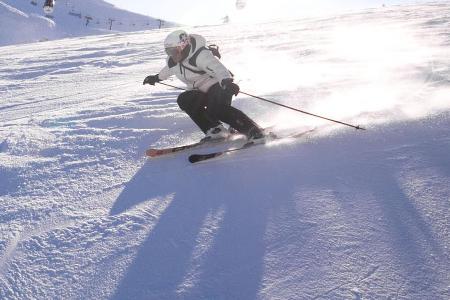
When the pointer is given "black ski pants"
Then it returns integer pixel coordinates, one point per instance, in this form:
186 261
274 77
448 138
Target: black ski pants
209 109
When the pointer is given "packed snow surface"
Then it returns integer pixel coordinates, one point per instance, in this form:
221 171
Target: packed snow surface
340 214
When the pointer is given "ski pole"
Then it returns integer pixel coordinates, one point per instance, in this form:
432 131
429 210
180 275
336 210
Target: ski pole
285 106
175 87
302 111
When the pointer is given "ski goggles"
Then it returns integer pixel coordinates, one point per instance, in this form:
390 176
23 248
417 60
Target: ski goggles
173 51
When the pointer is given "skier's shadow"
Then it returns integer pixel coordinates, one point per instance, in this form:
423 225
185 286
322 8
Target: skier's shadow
202 236
206 245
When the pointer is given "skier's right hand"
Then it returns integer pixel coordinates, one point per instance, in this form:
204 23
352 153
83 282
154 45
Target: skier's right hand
151 79
229 86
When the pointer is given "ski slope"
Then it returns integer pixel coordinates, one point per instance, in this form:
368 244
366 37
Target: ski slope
22 22
343 214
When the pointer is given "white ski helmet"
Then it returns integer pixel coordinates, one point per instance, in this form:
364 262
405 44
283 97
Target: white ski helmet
175 42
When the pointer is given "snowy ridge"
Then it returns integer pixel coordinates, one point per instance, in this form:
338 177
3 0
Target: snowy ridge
344 215
13 10
22 22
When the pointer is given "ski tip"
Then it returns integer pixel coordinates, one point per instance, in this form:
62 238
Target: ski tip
150 152
194 158
200 157
154 152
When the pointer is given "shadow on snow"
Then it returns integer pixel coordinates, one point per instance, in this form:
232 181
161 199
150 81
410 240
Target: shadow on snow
254 187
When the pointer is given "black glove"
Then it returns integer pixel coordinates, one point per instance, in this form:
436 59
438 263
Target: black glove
152 79
229 86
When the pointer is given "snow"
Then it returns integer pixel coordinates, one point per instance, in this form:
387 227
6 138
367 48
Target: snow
22 22
343 214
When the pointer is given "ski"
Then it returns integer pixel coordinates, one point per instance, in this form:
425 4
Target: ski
155 152
194 158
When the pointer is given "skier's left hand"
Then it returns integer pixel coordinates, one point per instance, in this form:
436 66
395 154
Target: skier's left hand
151 79
231 87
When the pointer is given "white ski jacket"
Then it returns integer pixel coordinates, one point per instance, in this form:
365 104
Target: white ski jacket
199 70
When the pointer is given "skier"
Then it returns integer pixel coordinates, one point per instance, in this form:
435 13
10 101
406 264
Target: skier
210 87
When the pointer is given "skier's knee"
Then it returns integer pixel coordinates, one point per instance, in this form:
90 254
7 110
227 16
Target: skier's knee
191 100
184 102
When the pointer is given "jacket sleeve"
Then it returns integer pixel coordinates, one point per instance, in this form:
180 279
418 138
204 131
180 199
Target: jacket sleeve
212 66
165 73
